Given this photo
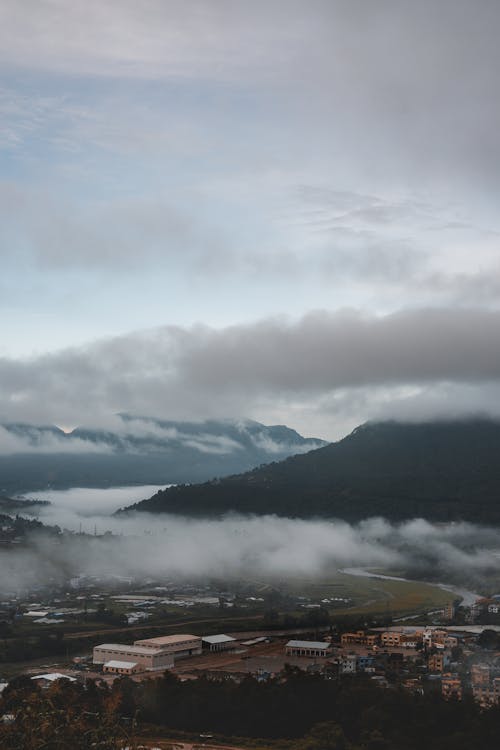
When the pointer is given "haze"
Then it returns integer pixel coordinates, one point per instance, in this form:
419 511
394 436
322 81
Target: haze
166 546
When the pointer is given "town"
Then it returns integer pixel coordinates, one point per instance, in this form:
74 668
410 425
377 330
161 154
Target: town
455 660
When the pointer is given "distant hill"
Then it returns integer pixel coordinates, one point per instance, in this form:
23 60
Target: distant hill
142 451
442 471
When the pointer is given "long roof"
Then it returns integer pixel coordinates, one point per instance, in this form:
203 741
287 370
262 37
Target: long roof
116 664
53 676
169 640
308 644
139 650
218 638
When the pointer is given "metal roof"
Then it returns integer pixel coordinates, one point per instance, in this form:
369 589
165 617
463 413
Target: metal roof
218 638
52 676
115 664
308 644
134 650
169 640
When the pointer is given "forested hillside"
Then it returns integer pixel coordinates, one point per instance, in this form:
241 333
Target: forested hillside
441 471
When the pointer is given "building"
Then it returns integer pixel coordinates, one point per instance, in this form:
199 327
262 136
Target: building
451 687
359 637
496 688
218 642
308 648
146 658
450 610
45 680
390 638
438 662
179 646
410 640
480 675
478 608
365 663
121 667
348 664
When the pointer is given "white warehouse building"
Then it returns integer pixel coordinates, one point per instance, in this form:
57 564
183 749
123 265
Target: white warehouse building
146 658
179 646
308 648
218 642
149 653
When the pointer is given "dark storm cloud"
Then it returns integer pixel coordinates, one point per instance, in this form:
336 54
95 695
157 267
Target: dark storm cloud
180 372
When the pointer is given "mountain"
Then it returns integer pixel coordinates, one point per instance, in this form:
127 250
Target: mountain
442 471
141 450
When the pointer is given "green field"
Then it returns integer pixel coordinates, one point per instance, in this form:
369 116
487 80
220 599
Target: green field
372 595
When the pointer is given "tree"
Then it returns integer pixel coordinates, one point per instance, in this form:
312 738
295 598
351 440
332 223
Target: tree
325 736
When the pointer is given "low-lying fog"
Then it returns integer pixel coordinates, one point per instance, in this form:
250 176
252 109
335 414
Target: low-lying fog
163 546
83 508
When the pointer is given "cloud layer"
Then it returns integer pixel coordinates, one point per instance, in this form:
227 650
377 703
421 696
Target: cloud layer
417 358
171 547
198 169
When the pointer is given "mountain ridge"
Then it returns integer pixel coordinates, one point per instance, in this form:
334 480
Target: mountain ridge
143 450
447 470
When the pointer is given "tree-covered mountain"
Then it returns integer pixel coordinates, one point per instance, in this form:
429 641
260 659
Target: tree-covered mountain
139 450
443 471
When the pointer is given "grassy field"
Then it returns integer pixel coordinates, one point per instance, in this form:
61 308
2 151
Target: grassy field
372 595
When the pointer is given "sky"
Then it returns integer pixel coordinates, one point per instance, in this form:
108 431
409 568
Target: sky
282 211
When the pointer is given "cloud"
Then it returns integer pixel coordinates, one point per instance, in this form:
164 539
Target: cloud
172 547
398 85
44 441
114 236
273 364
159 40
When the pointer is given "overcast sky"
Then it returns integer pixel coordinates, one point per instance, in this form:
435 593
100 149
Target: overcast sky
279 210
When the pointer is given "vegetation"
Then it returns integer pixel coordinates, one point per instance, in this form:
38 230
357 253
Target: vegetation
170 452
311 713
442 471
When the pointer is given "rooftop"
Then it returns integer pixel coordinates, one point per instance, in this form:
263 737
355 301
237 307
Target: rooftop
218 638
139 650
169 640
308 644
115 664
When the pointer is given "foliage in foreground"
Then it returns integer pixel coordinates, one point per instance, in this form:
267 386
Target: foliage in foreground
307 711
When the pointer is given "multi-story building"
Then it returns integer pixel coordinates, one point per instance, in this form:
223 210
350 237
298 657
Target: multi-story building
359 637
438 662
480 675
449 611
390 638
451 686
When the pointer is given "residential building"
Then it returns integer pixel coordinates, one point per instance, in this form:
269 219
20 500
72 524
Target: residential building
451 686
